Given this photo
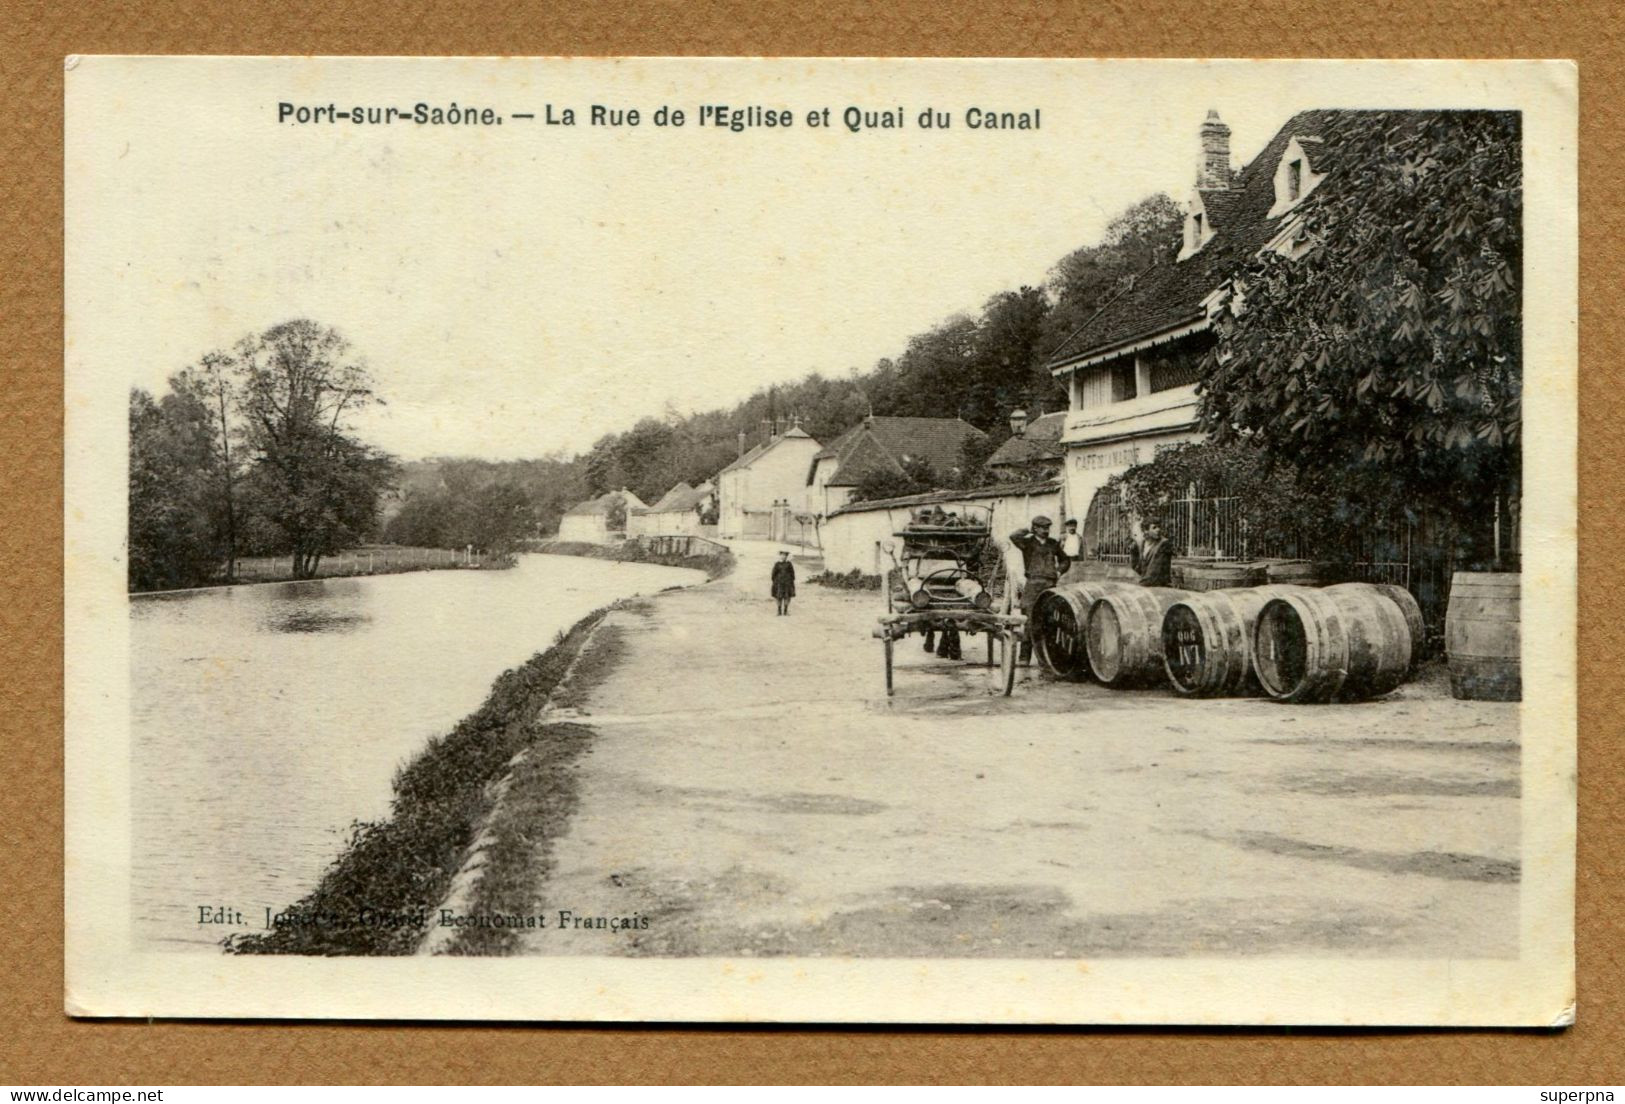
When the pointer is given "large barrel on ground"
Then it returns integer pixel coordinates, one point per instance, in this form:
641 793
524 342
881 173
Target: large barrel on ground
1342 643
1481 636
1057 629
1412 612
1123 638
1207 641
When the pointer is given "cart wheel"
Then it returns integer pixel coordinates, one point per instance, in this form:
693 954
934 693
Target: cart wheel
888 644
1007 668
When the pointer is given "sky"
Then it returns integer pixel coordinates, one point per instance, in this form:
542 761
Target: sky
523 289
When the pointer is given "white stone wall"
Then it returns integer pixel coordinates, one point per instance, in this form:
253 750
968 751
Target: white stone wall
851 540
589 528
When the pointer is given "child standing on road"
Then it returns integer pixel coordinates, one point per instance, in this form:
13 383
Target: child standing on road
784 583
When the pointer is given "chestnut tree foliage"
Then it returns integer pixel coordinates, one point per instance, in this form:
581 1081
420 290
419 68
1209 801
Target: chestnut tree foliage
1388 351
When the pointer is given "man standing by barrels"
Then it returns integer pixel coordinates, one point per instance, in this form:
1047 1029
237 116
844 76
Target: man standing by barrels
1154 557
1044 563
1071 542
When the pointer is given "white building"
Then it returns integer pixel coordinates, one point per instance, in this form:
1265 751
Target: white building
766 485
678 513
601 520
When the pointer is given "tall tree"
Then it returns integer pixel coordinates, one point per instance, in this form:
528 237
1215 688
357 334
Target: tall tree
318 485
212 384
1003 355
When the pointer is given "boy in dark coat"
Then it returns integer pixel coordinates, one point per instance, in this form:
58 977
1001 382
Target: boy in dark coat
1154 557
784 583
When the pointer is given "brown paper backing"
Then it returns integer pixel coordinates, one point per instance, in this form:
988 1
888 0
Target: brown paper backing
43 1047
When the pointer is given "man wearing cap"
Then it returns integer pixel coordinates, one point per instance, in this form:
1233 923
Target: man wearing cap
1044 563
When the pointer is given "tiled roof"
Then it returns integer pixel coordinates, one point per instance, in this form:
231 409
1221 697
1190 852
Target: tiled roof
991 490
745 460
882 443
794 433
604 503
666 499
673 502
1221 206
1171 294
1040 441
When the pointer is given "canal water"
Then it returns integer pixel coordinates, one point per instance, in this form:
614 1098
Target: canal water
266 719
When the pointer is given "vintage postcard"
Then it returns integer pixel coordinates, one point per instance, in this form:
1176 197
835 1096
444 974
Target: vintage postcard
821 540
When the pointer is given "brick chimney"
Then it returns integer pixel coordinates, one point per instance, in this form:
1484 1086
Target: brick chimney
1214 168
1018 422
741 442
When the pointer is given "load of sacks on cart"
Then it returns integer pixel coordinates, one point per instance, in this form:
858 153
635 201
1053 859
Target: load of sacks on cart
1347 642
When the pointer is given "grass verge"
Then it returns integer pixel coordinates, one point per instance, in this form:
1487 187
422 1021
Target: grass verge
379 895
852 580
541 797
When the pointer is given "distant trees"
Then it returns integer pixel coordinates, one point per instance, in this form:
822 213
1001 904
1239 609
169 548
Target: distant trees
491 516
253 450
978 367
312 481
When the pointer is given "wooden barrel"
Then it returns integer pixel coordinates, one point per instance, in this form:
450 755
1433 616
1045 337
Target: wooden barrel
1207 641
1059 618
1293 572
1412 612
1343 643
1099 571
1222 576
1123 637
1481 636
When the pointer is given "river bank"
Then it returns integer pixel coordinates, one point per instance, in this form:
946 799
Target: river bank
355 563
377 896
393 871
714 564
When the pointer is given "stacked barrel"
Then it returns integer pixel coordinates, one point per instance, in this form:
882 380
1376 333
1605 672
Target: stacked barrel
1348 642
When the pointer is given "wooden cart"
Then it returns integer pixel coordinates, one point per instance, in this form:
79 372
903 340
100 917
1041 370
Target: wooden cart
947 579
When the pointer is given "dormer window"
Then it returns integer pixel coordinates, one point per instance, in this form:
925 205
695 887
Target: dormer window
1198 227
1295 175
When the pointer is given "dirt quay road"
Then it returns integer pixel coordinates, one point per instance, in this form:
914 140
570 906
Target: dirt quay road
752 791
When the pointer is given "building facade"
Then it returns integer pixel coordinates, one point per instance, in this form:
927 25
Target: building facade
763 484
